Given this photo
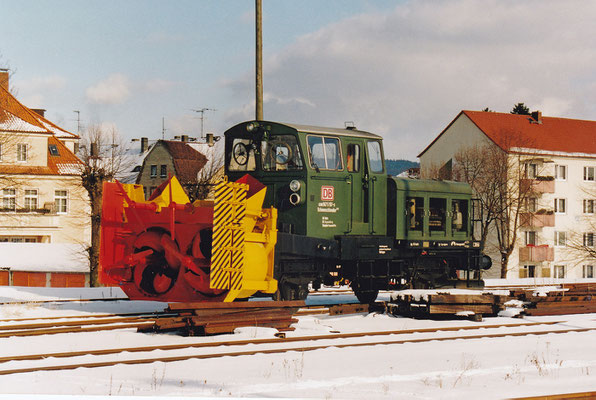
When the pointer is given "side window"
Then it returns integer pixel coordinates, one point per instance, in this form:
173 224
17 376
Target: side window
324 153
375 157
436 220
415 209
353 158
459 221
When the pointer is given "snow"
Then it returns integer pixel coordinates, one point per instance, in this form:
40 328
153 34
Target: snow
44 257
491 368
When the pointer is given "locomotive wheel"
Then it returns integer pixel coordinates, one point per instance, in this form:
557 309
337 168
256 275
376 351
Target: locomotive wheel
287 291
366 296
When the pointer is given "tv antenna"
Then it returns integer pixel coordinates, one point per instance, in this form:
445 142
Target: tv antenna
202 112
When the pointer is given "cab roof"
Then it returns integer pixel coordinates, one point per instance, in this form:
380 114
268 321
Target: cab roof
317 129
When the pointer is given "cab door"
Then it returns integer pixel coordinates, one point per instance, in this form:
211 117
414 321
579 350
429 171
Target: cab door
328 188
358 192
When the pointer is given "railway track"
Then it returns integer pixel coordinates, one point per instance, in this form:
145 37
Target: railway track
281 345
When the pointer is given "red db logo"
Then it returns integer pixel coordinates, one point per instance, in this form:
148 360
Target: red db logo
327 193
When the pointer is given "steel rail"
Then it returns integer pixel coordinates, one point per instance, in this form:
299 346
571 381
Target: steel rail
277 351
265 341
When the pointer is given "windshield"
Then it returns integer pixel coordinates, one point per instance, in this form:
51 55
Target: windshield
281 153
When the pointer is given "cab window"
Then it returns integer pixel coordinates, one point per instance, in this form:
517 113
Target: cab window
353 158
437 214
459 210
324 153
415 210
375 157
281 153
242 155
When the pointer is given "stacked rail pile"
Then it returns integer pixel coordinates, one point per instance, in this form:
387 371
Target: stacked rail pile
213 318
578 298
447 304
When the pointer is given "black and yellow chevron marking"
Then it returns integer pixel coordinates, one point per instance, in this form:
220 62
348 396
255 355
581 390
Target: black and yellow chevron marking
227 259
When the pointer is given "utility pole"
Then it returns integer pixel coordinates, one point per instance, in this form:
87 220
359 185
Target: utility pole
259 60
78 121
202 112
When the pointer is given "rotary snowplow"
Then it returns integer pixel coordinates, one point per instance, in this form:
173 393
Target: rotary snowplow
168 249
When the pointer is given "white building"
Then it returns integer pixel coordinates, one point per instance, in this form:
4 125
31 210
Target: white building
559 159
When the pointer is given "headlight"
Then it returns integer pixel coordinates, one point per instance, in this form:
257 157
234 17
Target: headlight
295 185
294 199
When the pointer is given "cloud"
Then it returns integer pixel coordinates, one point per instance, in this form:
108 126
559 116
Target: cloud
405 74
115 89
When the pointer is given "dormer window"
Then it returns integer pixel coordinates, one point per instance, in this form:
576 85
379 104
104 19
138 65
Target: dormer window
53 150
21 152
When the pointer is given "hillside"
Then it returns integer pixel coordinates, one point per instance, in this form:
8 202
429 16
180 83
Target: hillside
396 167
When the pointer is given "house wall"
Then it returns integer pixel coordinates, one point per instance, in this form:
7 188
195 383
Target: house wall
462 132
37 149
157 156
47 224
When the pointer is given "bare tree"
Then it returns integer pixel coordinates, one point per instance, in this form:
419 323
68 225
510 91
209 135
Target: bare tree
103 155
208 175
501 183
581 242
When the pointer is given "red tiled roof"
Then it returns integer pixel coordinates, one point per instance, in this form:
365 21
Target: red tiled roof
187 161
15 117
555 135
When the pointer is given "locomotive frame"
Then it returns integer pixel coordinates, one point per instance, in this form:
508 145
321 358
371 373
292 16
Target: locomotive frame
341 217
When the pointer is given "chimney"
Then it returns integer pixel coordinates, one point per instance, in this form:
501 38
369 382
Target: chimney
537 117
39 111
184 138
144 144
4 78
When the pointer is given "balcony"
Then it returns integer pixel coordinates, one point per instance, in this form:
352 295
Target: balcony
541 184
536 253
537 220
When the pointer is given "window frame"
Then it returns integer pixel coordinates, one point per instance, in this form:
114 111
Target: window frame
560 239
61 201
587 271
22 152
530 235
28 196
323 139
587 177
369 149
153 171
559 271
558 202
586 208
588 239
563 168
13 197
163 171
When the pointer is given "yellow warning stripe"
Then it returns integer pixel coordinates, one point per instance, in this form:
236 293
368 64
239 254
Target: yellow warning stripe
227 261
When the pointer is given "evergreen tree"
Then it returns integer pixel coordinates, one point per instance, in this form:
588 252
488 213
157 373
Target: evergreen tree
520 108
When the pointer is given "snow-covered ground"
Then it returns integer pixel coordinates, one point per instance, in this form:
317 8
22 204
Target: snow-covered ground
488 368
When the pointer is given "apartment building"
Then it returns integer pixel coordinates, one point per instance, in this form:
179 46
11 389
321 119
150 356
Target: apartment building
557 157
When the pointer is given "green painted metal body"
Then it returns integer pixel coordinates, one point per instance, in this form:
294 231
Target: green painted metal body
453 223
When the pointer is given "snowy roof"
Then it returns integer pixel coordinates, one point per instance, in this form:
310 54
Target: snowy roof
44 257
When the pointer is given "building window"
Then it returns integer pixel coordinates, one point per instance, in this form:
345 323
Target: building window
529 271
61 200
589 239
561 172
561 206
559 271
588 206
9 199
588 271
530 238
163 172
531 204
589 174
560 238
154 171
531 171
31 199
21 152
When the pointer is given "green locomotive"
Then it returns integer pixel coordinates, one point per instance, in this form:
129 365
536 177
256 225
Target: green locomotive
341 217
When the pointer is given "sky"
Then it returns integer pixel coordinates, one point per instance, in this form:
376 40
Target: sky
400 69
